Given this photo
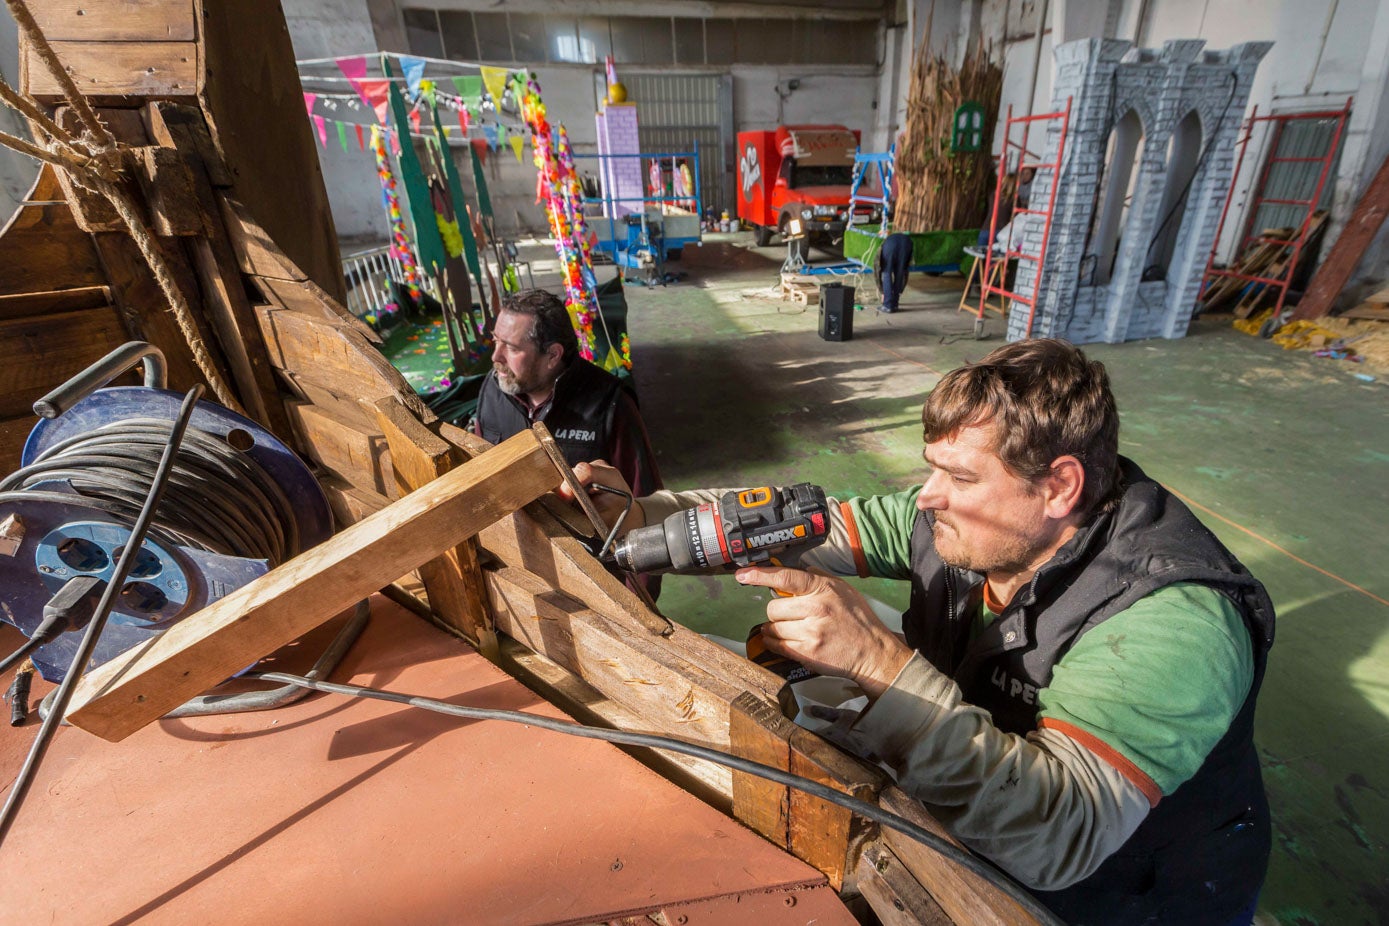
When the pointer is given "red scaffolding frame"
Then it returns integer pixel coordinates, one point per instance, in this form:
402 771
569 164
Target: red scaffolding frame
994 281
1285 272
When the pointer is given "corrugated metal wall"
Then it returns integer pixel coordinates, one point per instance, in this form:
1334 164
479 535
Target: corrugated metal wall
678 111
1296 180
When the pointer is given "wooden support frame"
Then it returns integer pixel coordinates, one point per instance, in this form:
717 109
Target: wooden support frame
143 684
453 580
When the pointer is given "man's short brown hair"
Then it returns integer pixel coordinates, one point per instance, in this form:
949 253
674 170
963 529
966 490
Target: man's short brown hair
552 324
1045 400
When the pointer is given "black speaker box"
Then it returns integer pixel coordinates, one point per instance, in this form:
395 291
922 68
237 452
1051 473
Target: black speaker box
836 312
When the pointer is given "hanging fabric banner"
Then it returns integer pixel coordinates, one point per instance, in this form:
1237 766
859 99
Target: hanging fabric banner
415 120
494 79
361 138
479 152
342 134
517 143
430 246
463 122
354 69
321 125
309 101
460 215
489 132
413 68
502 134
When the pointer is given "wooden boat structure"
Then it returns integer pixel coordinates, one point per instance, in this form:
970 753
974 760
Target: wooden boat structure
203 101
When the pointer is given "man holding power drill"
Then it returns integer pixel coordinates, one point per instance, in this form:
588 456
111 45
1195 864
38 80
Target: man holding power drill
1074 697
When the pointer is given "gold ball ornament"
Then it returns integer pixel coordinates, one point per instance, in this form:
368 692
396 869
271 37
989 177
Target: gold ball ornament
617 93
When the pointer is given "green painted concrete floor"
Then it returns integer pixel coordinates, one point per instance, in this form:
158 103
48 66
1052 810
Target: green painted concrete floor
1284 455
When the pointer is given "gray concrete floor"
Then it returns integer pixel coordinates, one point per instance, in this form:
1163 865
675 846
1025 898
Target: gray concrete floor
1284 455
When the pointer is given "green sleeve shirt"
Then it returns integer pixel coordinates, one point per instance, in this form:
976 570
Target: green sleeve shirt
1158 683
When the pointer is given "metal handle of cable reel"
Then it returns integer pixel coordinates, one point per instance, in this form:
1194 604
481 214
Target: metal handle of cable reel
102 372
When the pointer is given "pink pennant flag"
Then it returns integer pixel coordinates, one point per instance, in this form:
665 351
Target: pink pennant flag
322 130
377 95
354 69
308 102
415 119
395 143
361 139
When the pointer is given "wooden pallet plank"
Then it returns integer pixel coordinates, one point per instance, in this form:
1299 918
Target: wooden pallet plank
140 686
127 21
41 247
356 456
827 835
664 684
107 71
894 894
334 356
21 305
38 353
963 895
760 732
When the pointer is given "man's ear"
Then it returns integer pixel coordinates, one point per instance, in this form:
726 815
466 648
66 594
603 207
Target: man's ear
1063 486
555 353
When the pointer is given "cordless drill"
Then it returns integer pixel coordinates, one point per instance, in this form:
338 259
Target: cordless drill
741 529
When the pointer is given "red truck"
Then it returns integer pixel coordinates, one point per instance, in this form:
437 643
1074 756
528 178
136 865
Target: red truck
797 170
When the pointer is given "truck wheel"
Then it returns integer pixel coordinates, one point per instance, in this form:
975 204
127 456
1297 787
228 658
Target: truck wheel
762 235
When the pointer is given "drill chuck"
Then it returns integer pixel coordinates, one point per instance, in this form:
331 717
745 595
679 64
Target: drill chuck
740 529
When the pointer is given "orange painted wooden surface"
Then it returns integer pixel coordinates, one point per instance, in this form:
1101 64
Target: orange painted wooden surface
344 811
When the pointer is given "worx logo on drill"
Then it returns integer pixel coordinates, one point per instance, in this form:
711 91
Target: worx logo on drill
757 541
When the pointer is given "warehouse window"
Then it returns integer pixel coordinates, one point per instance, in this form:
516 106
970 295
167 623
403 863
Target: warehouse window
647 41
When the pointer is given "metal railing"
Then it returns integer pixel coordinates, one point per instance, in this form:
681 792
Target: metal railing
368 275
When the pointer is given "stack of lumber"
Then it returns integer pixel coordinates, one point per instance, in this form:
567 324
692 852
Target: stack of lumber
1267 255
1374 307
939 189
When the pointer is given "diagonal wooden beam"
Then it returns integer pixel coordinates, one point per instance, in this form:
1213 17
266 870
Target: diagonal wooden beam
143 684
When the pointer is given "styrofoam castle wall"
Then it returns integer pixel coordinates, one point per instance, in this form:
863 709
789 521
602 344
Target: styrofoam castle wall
1104 79
621 176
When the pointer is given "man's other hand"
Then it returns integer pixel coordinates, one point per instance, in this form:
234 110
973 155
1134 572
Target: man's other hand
610 506
828 626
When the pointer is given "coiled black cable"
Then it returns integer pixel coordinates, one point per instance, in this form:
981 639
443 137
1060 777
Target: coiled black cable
218 499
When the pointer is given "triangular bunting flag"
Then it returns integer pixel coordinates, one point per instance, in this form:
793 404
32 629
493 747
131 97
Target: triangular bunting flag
494 79
469 88
308 102
489 132
517 143
322 127
342 134
377 95
415 119
361 139
463 121
413 68
502 134
354 69
480 148
395 143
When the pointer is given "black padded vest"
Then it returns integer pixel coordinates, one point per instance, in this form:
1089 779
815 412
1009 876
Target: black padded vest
579 416
1201 854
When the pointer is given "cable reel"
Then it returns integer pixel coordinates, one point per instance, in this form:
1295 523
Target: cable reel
238 503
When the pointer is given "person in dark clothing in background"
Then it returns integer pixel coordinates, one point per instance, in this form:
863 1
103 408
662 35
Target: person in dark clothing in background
894 261
537 375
